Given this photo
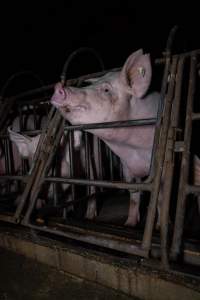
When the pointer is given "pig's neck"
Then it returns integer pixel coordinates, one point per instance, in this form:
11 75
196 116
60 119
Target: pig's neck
134 144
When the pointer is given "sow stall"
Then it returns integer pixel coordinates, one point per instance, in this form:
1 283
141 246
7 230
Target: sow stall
171 168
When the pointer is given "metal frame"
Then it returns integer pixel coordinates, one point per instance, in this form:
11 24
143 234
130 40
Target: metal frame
162 166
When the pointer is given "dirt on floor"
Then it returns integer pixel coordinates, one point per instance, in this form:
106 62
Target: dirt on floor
25 279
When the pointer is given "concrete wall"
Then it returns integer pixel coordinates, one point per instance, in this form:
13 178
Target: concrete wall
122 275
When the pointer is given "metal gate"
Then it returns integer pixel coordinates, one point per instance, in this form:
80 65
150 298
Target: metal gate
171 153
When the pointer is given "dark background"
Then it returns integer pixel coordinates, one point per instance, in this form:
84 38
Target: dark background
39 36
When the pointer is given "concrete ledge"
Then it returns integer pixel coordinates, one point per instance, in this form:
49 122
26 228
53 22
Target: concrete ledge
122 275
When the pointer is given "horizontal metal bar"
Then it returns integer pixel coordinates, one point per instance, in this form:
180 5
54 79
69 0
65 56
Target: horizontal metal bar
27 132
101 183
7 218
35 101
95 238
193 189
195 116
13 177
116 124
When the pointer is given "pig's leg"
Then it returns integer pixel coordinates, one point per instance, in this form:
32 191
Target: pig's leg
91 212
133 213
134 201
159 204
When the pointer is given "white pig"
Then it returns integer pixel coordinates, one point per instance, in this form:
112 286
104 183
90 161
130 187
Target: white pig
117 96
27 146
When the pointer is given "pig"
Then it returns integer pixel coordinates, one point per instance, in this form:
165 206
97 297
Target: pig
27 147
16 158
117 96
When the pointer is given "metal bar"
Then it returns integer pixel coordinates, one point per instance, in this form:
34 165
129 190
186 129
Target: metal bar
177 98
34 168
106 184
168 167
70 82
115 124
159 160
39 100
6 150
71 160
87 159
111 164
192 189
159 114
51 141
85 77
181 202
13 177
195 116
99 156
97 238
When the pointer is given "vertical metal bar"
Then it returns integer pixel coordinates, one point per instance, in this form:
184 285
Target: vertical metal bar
87 160
159 113
36 163
35 117
21 128
182 193
100 167
43 168
111 164
159 160
169 167
21 123
71 160
54 173
6 149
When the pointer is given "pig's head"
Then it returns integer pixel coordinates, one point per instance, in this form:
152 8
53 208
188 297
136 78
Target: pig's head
108 98
26 145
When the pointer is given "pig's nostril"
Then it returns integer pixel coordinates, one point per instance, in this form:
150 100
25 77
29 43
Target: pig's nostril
62 93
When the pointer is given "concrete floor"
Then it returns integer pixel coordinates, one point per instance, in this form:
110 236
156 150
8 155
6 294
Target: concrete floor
22 278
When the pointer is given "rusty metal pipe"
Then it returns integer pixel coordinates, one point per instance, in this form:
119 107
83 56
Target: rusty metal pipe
181 202
169 165
100 183
159 161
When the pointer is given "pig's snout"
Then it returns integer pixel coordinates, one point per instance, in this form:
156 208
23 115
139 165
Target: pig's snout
59 95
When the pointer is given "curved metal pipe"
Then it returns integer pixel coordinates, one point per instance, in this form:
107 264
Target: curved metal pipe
73 55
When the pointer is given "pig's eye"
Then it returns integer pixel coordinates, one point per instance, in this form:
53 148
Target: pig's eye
106 90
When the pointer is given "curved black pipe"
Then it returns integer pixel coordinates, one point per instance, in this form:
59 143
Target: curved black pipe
73 55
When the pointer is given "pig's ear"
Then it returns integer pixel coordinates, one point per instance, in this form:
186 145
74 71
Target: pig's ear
25 145
136 73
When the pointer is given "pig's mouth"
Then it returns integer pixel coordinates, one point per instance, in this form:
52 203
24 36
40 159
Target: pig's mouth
68 107
71 108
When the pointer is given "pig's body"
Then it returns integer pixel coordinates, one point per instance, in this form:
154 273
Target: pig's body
26 149
118 96
17 163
